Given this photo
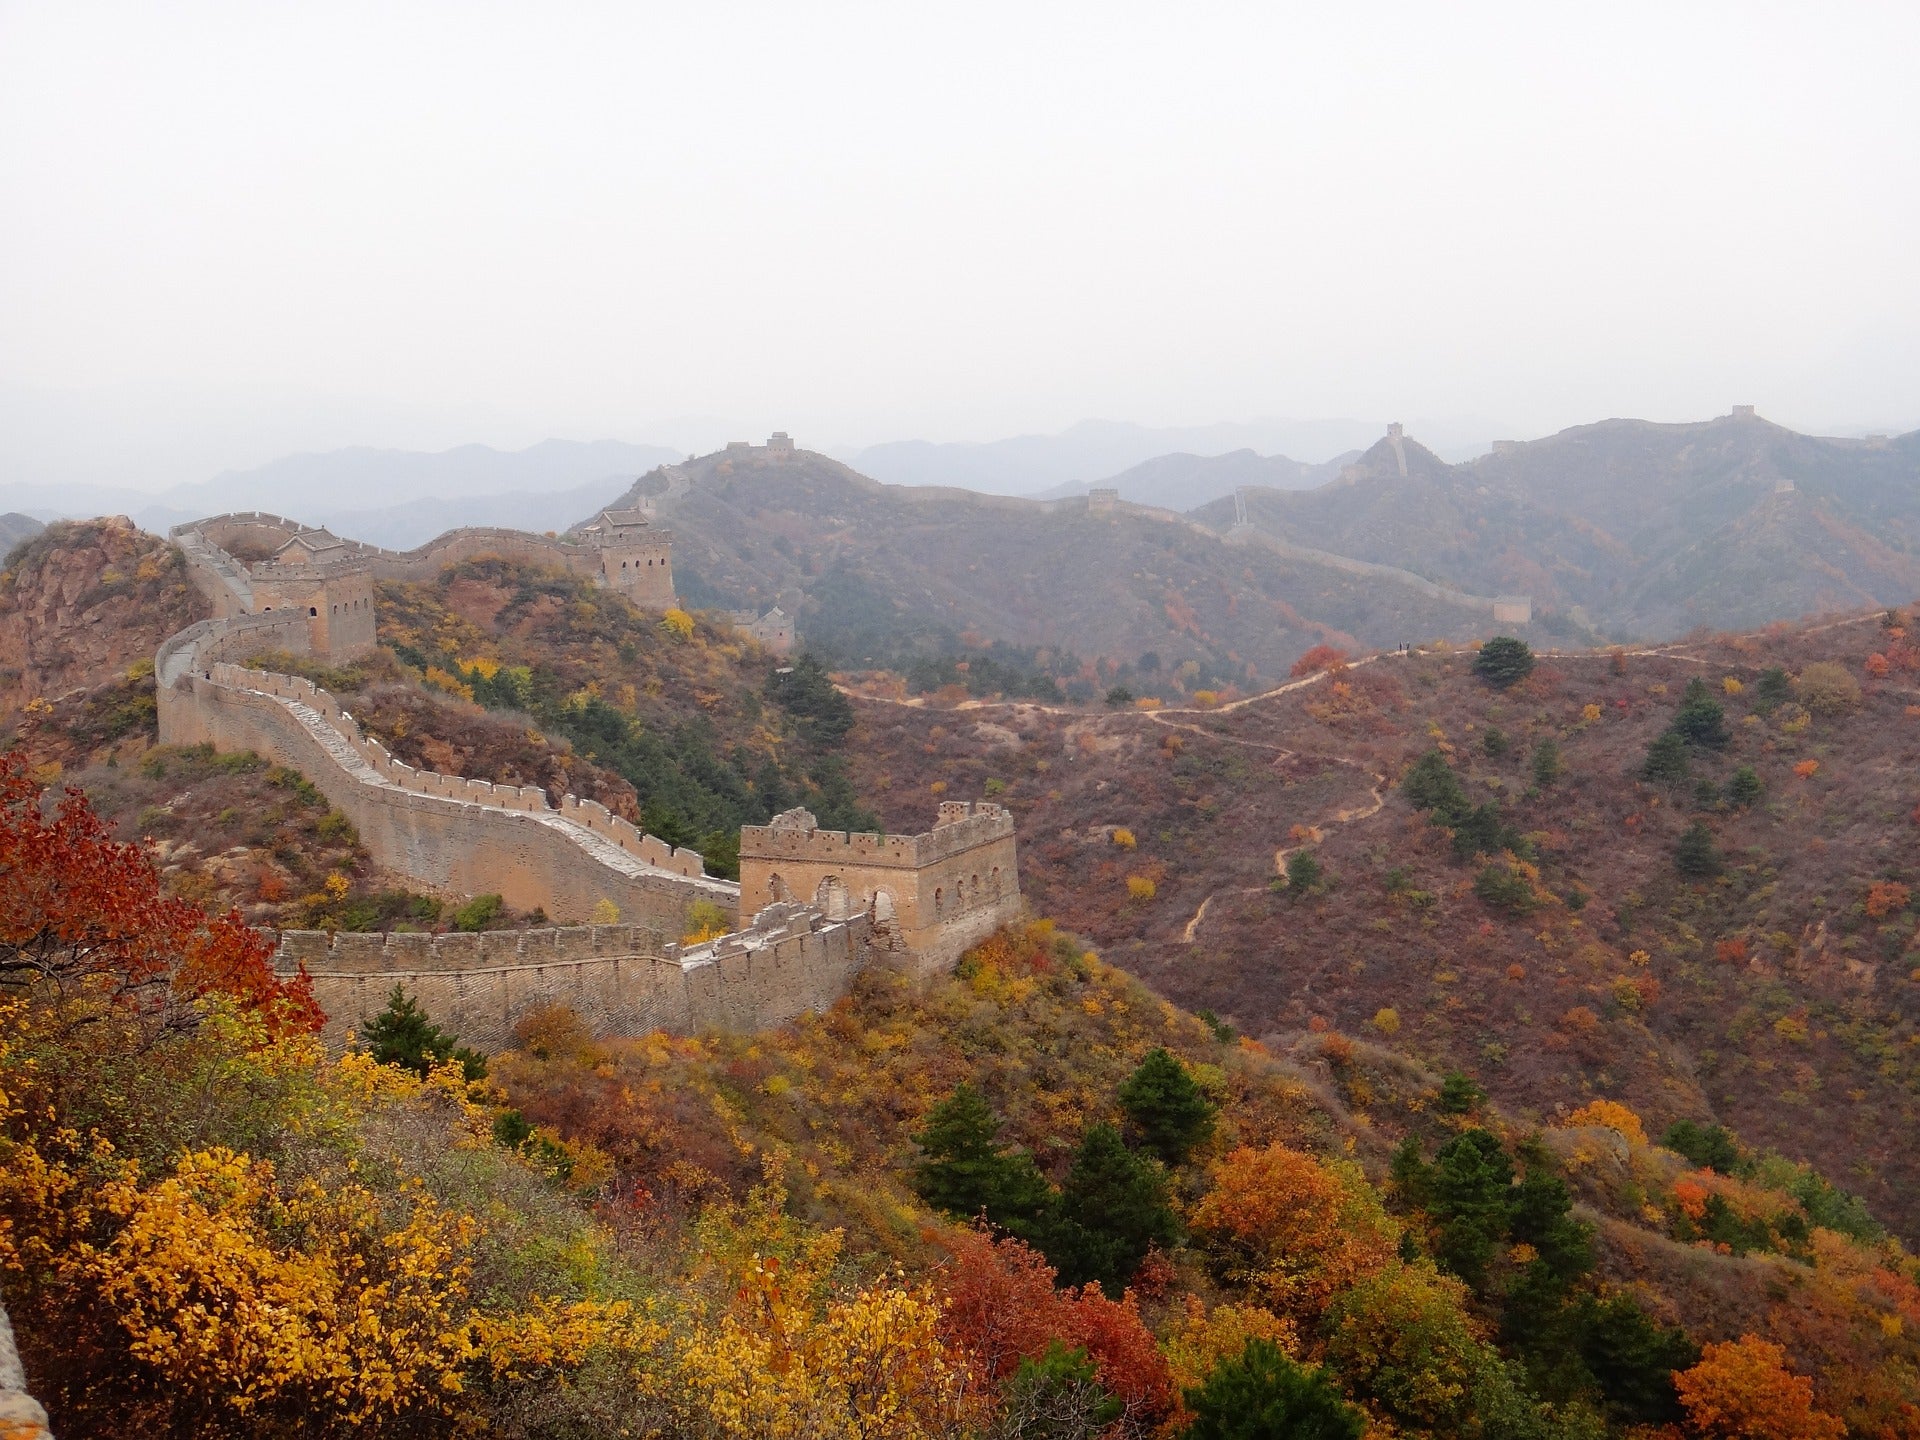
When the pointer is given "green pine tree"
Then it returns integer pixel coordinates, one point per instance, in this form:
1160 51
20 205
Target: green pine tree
1260 1394
403 1035
1745 787
1711 1147
1633 1360
1772 690
1547 764
1167 1110
806 692
1459 1095
1700 719
1431 785
1503 661
1666 762
1113 1208
1304 874
1469 1191
965 1171
1696 855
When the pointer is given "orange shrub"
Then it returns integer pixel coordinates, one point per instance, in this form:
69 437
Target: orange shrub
1320 657
1612 1115
1580 1020
1298 1228
1886 897
1806 769
1742 1390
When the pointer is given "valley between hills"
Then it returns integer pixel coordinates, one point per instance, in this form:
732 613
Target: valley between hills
1578 979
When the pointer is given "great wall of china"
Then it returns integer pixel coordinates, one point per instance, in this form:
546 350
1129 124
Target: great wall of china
812 907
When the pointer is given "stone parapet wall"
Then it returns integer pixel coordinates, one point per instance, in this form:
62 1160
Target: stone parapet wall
1504 607
940 892
621 979
988 823
588 814
449 834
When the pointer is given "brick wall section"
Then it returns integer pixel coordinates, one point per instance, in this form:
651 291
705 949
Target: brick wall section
621 979
945 890
919 898
449 835
642 571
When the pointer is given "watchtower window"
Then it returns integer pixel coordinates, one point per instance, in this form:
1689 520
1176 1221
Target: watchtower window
939 901
313 610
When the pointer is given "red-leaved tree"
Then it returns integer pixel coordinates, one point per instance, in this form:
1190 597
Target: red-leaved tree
83 919
1002 1308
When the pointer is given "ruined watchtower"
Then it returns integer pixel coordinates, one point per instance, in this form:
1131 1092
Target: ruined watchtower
635 558
940 892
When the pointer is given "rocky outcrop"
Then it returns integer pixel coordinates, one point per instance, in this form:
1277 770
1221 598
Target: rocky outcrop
85 603
21 1417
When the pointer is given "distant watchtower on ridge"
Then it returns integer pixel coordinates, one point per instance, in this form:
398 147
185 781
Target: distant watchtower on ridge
635 559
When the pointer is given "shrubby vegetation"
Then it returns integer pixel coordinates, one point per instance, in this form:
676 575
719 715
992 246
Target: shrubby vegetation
1030 1198
643 704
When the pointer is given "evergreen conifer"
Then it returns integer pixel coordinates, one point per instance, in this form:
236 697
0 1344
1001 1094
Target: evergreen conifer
1167 1110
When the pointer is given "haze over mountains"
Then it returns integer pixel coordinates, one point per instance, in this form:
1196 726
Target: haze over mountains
1090 452
1644 530
387 497
1623 529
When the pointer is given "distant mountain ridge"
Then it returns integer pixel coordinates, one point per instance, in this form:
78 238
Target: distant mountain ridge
1647 529
877 574
1186 482
1091 451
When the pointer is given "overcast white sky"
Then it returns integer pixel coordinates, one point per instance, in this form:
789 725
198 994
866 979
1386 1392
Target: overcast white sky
228 232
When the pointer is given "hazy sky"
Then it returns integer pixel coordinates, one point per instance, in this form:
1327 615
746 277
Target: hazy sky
227 232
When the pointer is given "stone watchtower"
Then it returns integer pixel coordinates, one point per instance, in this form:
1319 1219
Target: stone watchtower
635 558
320 574
940 892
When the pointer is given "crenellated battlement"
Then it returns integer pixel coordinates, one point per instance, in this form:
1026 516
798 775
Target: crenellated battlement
623 979
821 902
945 889
331 578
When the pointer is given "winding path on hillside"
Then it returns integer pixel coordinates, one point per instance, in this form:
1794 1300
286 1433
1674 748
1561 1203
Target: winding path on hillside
1171 718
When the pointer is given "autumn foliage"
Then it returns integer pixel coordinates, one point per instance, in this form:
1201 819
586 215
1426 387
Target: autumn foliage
1002 1307
1743 1390
1297 1229
83 919
1320 657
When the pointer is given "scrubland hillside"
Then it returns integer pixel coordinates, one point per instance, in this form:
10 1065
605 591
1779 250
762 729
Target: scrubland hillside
1394 1118
1776 992
1027 1199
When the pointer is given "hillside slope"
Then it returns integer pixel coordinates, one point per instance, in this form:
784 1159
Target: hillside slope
876 574
1781 995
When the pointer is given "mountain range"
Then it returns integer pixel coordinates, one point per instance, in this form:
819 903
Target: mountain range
1091 451
1644 530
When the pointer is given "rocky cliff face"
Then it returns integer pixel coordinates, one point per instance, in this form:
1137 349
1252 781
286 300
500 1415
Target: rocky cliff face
84 604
